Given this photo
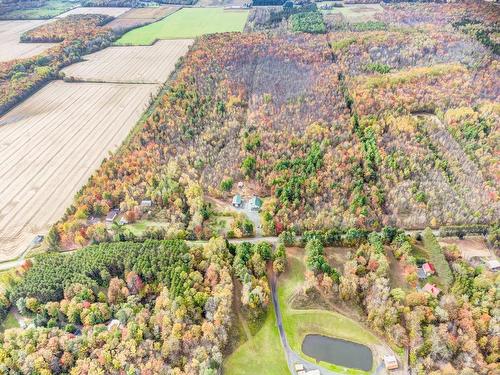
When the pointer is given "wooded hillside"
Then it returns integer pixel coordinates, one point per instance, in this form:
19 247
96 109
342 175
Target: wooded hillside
344 129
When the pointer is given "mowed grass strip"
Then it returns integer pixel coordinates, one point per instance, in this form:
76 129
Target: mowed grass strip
262 354
187 23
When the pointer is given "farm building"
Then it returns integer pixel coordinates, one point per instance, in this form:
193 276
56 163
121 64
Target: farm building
493 265
390 362
237 201
429 269
432 289
255 203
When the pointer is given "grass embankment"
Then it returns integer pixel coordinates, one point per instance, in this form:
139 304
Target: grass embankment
299 323
262 351
51 8
187 23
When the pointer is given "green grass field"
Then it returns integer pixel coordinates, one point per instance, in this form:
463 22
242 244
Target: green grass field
299 323
140 226
262 351
51 9
185 24
10 321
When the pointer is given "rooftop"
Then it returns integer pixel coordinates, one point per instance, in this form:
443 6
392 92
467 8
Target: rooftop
432 289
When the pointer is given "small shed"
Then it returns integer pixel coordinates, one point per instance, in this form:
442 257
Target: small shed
93 220
240 184
146 203
390 362
237 201
432 289
428 269
111 216
255 203
299 367
421 274
493 265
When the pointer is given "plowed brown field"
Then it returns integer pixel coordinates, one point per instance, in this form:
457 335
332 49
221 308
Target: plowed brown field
11 48
50 145
135 64
109 11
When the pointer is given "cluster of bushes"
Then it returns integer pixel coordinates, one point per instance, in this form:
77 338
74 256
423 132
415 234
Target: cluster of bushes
68 28
337 236
461 231
368 26
113 3
317 262
249 265
485 34
267 2
289 185
307 22
378 68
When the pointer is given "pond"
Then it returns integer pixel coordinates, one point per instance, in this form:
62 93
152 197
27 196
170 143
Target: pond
338 352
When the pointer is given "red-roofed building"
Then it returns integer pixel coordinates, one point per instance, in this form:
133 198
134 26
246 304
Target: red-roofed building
428 269
432 289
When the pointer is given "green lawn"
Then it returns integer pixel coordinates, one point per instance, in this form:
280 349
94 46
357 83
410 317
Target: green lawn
299 323
9 322
140 226
187 23
262 351
51 9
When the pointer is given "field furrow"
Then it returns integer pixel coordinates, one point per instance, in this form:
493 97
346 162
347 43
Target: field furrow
10 46
53 142
136 64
